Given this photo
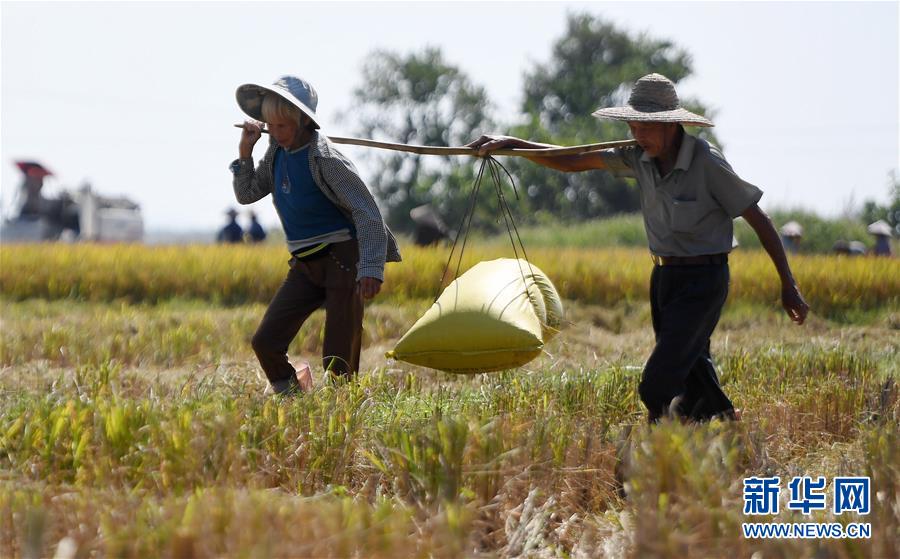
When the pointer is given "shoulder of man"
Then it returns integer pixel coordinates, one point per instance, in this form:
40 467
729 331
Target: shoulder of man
710 154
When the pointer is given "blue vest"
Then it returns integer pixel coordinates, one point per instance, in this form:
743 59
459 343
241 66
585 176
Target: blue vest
304 210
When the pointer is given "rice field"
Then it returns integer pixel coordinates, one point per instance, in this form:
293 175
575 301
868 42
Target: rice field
833 285
133 421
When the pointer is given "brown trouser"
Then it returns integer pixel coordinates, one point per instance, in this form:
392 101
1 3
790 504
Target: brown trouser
329 280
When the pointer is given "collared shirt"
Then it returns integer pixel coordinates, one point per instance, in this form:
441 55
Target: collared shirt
337 178
688 212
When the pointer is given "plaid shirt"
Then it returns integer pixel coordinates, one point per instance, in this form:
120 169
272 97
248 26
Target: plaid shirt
339 181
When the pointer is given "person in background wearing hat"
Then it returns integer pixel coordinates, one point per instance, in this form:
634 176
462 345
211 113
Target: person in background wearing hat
335 233
689 196
232 232
791 235
33 202
882 232
255 233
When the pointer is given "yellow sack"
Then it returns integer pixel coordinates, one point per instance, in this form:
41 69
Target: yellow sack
485 320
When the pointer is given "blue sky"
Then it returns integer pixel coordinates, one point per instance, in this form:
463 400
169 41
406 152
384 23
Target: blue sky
138 98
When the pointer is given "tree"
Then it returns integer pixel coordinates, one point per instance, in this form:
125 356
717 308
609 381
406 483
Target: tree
593 65
419 98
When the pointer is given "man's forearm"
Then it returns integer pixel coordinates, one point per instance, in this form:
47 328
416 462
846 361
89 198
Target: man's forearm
771 242
571 163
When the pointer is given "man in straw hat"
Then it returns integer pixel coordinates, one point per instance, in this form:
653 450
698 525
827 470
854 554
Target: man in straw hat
335 233
689 197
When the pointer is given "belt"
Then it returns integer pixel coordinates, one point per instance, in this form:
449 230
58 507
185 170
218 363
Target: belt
702 260
311 253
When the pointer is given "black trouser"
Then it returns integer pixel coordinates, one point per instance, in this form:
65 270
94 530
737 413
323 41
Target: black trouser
685 302
328 280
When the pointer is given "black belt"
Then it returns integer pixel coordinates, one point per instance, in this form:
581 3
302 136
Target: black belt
702 260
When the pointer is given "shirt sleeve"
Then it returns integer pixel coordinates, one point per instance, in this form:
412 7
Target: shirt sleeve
252 184
344 181
619 161
731 192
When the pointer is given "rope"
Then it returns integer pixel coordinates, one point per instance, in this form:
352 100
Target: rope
463 229
494 167
506 211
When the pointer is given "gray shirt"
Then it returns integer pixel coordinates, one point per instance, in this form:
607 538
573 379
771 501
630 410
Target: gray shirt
689 211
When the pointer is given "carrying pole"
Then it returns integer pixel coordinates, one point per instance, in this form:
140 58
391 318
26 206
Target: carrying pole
463 150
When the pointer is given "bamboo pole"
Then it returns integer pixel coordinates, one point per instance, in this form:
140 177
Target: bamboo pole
462 150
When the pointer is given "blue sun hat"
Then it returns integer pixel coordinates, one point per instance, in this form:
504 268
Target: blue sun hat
292 89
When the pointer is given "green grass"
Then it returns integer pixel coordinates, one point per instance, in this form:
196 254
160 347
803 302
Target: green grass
185 456
140 428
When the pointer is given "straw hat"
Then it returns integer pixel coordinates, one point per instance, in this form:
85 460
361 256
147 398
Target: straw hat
653 99
294 90
792 229
880 227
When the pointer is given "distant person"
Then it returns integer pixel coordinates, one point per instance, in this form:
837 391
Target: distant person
882 232
690 196
335 233
255 233
841 246
232 232
791 236
429 228
33 203
856 248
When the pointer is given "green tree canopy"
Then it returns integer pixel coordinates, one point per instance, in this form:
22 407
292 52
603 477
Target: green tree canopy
420 98
593 65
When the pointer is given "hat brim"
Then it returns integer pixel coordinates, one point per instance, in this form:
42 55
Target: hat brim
681 116
250 99
880 229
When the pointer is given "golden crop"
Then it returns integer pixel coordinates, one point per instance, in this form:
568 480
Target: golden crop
232 275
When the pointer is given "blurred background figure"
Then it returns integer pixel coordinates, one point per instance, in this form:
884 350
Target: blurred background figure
68 215
32 202
857 248
882 232
850 248
255 232
791 235
840 246
232 232
429 228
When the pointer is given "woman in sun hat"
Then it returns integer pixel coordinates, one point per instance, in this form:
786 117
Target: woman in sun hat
335 233
791 236
882 231
689 197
